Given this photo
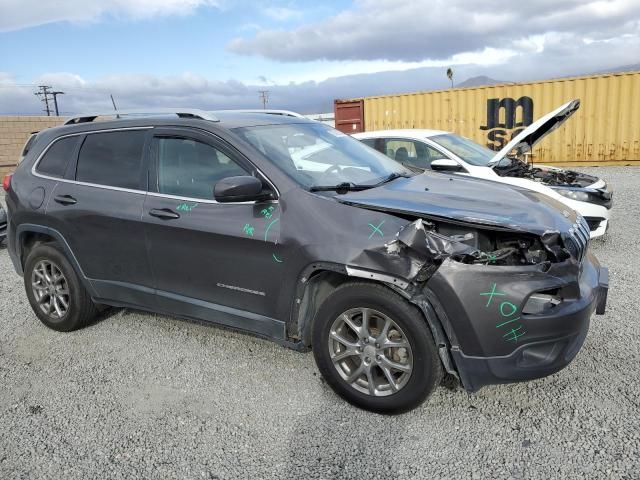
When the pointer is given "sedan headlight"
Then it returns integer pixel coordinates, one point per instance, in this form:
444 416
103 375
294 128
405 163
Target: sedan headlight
574 194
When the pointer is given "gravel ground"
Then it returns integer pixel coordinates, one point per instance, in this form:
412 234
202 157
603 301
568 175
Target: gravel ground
146 396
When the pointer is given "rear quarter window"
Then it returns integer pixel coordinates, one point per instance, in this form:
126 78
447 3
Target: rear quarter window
55 160
112 158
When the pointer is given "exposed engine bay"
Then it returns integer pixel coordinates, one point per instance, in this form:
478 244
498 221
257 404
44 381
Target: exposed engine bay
512 167
503 248
427 244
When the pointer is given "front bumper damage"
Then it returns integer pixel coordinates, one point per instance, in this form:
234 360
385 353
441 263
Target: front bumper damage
494 341
494 323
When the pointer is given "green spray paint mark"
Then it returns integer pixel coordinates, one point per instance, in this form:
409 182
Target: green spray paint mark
514 334
185 207
514 309
507 322
376 230
267 213
508 311
248 229
266 231
492 294
275 257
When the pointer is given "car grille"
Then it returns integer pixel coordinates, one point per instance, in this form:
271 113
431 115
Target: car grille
578 240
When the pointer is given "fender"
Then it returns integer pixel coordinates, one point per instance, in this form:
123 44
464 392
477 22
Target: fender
422 297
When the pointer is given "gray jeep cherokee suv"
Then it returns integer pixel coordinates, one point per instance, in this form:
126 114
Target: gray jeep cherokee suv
293 231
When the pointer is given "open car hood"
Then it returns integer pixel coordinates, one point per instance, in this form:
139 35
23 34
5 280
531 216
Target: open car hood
526 140
457 199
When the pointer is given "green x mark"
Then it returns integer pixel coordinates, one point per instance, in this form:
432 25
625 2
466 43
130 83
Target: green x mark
376 230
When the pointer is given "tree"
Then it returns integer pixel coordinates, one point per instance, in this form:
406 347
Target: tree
450 76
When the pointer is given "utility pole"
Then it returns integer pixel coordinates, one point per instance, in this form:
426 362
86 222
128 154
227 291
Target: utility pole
264 96
55 101
44 91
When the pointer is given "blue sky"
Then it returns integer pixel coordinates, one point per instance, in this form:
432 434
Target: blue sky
219 53
160 45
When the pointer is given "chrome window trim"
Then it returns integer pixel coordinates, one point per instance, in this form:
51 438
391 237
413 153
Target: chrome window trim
209 201
35 173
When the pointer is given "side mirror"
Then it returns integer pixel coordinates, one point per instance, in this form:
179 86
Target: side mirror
446 165
244 188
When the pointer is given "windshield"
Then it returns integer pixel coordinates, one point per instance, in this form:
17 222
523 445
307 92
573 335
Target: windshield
314 154
468 150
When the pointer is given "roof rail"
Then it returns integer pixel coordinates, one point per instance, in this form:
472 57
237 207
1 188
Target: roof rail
284 113
147 112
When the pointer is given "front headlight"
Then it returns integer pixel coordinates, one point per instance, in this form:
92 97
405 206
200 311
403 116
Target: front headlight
574 194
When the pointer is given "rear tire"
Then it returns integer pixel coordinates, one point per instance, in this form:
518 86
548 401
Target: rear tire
392 365
55 292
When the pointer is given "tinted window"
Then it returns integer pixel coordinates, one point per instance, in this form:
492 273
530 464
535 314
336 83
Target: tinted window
56 158
189 168
112 158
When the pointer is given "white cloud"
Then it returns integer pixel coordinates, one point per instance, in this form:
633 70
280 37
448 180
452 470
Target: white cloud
324 70
17 14
282 14
418 30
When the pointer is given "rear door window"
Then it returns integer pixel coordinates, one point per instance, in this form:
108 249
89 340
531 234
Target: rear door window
191 168
112 158
57 157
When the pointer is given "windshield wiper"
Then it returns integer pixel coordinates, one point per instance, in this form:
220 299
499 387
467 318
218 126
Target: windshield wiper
391 177
340 188
345 187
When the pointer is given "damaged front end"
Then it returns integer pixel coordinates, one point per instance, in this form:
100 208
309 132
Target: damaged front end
421 246
503 306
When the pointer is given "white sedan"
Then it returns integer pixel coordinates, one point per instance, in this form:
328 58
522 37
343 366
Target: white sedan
445 151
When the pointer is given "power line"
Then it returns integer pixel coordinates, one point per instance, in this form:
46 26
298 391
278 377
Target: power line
55 101
44 92
264 96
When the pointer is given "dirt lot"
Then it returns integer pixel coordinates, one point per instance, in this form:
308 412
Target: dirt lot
145 396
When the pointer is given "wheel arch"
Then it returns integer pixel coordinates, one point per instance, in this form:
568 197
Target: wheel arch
30 235
318 280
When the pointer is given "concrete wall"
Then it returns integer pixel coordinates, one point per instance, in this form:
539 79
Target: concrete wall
14 132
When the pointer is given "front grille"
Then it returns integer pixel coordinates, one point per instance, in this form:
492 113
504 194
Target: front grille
578 240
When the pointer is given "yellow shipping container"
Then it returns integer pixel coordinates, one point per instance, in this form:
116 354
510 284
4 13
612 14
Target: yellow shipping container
606 129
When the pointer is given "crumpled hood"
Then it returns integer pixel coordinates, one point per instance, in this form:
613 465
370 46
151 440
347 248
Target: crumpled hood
469 200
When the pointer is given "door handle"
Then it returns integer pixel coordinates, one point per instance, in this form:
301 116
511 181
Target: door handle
164 214
65 200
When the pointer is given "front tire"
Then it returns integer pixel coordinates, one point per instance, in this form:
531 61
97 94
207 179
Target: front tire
374 348
55 291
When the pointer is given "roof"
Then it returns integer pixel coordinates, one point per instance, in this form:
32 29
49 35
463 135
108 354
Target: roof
225 120
402 133
238 118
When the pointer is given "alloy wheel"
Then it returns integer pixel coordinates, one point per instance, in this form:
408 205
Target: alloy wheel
370 352
50 289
